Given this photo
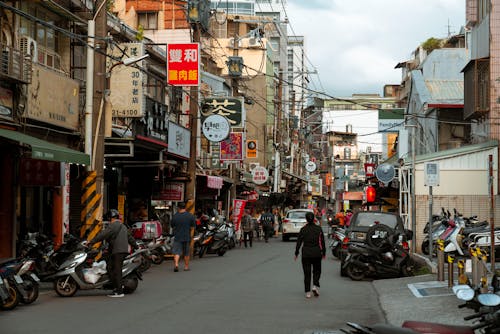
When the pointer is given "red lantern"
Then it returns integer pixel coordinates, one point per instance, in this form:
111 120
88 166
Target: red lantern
371 193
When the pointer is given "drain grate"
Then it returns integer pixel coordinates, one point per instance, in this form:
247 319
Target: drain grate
430 289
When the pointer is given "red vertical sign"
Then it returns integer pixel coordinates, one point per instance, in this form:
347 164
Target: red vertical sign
183 64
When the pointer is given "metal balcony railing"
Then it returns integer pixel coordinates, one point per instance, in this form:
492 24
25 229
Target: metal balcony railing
14 64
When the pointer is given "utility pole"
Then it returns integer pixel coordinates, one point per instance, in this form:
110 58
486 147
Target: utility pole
193 123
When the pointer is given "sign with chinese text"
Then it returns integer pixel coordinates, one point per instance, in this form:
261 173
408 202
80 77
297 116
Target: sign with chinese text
172 191
126 83
369 169
215 128
259 175
183 64
229 107
34 172
178 140
251 148
238 209
232 147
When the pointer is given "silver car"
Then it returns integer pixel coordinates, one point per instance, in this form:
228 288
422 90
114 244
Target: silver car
294 220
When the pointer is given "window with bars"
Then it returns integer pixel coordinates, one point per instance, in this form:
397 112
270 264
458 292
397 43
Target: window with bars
482 86
148 20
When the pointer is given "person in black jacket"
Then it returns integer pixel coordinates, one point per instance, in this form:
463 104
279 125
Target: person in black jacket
312 241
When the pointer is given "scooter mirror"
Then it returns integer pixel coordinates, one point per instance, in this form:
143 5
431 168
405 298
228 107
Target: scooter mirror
489 299
463 292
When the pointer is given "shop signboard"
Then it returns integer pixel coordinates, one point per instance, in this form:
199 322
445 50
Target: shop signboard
229 107
172 191
231 149
183 64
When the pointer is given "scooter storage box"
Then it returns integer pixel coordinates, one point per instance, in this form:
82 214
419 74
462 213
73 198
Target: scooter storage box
147 230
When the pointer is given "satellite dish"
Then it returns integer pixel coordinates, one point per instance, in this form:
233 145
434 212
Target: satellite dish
385 173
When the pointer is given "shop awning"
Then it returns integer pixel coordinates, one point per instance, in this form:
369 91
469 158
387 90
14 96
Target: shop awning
41 149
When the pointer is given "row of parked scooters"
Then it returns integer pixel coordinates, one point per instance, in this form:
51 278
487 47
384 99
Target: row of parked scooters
459 233
73 266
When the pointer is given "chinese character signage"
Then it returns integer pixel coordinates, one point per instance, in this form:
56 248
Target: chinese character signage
178 140
232 147
183 64
229 107
251 148
127 83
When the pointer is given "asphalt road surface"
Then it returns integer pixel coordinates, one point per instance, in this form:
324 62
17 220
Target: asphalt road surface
248 290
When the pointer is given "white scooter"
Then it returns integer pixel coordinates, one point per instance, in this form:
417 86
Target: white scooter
70 276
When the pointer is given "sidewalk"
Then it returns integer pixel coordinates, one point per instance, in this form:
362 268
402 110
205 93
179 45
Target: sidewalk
420 298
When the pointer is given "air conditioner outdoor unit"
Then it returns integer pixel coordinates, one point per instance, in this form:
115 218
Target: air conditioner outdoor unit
254 42
232 43
28 46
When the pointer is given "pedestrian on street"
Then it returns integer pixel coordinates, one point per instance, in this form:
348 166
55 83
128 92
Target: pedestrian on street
267 221
348 216
183 223
118 238
312 241
340 218
247 226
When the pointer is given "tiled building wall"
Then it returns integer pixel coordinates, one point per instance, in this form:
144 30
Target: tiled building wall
466 205
471 12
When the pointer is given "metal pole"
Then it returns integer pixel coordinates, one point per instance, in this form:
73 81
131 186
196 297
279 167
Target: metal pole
89 89
431 241
492 213
412 191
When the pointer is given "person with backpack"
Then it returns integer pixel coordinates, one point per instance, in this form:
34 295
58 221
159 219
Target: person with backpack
267 221
247 226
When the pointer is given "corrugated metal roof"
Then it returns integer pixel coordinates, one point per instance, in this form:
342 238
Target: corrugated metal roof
445 91
454 152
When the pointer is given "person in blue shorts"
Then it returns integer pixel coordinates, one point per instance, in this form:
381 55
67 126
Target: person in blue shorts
183 224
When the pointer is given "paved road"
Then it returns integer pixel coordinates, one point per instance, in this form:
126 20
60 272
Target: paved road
246 291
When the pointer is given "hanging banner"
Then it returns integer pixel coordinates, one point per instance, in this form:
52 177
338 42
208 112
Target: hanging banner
238 209
183 64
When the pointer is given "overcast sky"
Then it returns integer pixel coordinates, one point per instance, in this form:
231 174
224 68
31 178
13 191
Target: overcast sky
355 44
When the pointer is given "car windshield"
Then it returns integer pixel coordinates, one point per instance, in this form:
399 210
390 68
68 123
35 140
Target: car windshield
297 214
371 218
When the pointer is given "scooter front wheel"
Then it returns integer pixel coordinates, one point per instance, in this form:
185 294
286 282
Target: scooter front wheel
12 300
130 284
65 286
157 257
31 288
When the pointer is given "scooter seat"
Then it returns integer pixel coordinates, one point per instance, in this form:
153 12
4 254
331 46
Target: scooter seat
431 327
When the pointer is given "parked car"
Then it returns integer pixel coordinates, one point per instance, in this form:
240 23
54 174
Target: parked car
294 220
361 221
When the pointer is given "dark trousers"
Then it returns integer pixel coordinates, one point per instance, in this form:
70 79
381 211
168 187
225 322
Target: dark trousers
309 263
250 237
268 231
115 271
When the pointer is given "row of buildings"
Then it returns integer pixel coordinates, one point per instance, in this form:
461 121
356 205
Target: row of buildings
91 118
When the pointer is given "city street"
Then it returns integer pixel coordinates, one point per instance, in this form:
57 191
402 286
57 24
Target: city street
259 289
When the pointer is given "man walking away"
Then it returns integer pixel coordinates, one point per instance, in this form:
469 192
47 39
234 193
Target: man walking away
312 240
247 226
267 221
118 238
183 223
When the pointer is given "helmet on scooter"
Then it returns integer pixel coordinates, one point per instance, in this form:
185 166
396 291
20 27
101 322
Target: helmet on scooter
113 213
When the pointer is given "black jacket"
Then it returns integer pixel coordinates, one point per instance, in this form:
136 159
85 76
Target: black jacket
116 234
313 240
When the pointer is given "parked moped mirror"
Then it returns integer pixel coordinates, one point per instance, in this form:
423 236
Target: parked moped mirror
489 299
463 292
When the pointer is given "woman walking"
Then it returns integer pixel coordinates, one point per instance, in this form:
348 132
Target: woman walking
312 241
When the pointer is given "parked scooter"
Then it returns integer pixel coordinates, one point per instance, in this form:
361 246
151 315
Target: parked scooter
24 280
70 277
9 296
159 247
213 241
336 236
388 257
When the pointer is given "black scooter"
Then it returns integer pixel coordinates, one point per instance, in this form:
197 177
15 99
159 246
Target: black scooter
386 254
213 241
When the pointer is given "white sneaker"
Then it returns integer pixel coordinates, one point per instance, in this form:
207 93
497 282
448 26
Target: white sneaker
315 290
308 295
116 295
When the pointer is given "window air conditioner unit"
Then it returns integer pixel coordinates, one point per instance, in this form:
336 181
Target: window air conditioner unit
28 46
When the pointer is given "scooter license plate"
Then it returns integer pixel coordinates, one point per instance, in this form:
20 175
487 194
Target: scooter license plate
18 279
35 277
